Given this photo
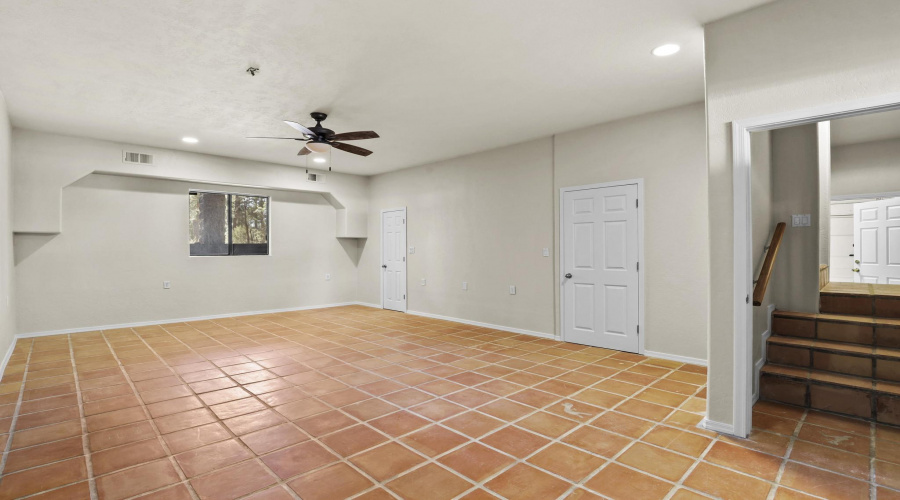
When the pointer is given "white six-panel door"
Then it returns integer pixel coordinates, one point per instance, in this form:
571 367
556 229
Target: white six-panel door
600 252
393 259
876 241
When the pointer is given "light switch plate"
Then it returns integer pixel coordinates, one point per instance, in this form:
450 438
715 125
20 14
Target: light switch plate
327 277
422 282
546 252
167 285
800 220
465 285
412 250
512 289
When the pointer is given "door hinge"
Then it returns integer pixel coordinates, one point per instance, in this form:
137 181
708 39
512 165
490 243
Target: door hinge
404 296
639 329
636 203
748 299
638 266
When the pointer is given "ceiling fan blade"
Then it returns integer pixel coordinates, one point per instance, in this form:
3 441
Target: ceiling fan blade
301 128
290 138
303 152
355 136
351 149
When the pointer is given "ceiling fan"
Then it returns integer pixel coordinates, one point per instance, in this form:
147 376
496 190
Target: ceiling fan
319 139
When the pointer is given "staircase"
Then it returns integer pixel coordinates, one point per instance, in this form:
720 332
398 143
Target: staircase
845 360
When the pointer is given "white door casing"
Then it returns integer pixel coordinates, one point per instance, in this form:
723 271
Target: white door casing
876 241
600 247
393 259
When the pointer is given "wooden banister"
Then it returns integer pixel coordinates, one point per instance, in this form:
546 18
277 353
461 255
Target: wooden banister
768 265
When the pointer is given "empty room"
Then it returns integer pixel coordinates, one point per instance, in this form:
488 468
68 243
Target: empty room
320 250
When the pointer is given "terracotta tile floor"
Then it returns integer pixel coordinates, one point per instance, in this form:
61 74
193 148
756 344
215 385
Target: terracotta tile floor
359 403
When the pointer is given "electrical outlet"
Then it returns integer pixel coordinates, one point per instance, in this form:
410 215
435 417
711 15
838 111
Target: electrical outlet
422 281
546 252
327 277
512 289
167 285
465 285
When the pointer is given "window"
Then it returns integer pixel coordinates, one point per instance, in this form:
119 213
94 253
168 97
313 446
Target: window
228 224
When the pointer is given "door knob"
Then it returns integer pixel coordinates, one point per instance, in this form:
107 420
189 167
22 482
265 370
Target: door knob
568 275
384 266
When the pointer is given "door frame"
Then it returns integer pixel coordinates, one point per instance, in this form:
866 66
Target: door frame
562 253
381 254
742 399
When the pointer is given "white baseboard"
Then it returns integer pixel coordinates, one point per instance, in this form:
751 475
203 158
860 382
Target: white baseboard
675 357
712 425
366 304
485 325
757 368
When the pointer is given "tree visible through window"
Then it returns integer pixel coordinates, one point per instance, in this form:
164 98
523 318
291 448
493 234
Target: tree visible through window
228 224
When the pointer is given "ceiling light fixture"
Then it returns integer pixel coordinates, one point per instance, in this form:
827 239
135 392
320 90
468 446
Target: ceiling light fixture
318 147
319 160
190 140
666 50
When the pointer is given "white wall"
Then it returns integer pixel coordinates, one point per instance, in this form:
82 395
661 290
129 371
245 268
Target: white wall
44 164
783 56
7 278
484 218
869 167
666 150
124 236
121 235
794 285
481 218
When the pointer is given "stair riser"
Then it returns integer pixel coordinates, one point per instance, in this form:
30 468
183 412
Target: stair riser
880 336
819 359
849 401
879 307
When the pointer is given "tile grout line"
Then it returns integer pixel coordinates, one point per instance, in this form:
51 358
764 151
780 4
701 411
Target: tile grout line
12 426
85 445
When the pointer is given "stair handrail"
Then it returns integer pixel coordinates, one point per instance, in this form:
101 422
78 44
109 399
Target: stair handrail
765 273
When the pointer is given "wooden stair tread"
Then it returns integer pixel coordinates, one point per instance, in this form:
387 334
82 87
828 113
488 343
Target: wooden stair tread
824 377
837 347
838 318
861 289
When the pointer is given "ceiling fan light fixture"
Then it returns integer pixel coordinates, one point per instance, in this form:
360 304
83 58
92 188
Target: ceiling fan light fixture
190 140
318 147
319 159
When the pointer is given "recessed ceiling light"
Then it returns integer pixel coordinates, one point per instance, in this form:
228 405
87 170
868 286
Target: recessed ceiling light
190 140
666 50
319 160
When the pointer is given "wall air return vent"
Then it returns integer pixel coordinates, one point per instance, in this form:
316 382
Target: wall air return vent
315 177
138 158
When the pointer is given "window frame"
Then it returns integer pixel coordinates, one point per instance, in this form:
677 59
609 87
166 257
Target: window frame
230 223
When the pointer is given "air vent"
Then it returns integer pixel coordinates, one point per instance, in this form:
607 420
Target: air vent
315 177
139 158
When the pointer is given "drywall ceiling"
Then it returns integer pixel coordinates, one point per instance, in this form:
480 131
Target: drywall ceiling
435 79
866 128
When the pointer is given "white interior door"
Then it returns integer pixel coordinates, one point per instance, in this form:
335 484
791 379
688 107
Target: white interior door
393 260
601 282
876 239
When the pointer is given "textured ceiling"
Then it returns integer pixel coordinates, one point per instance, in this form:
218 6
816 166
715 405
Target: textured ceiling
435 79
